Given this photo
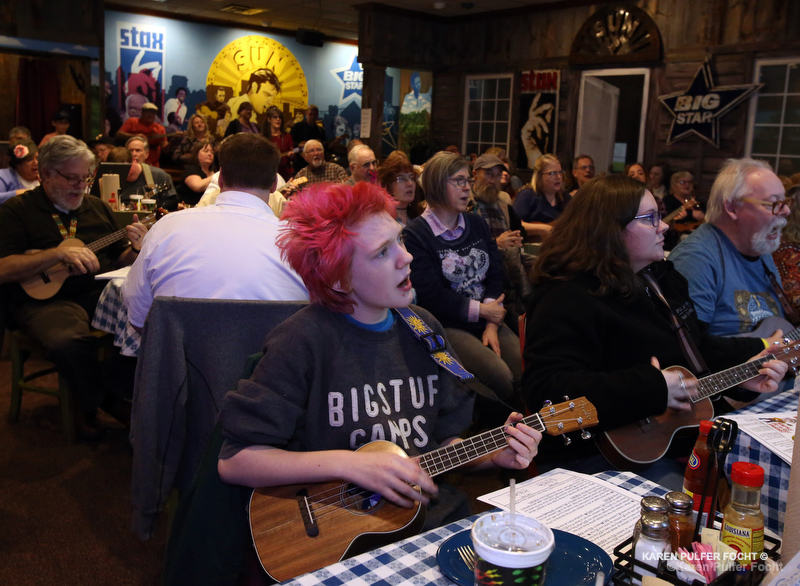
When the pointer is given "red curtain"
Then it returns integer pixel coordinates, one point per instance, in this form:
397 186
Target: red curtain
38 95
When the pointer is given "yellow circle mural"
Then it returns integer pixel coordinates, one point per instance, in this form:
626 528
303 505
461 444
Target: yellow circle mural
258 70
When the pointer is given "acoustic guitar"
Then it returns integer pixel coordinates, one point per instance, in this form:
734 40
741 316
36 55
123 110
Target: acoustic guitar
48 282
639 444
300 528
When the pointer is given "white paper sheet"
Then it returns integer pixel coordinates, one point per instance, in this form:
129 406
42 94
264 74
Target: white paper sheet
577 503
118 274
774 430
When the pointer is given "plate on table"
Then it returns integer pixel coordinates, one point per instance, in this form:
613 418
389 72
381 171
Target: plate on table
575 561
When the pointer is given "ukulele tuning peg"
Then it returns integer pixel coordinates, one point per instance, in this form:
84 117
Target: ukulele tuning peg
547 403
566 397
585 434
567 440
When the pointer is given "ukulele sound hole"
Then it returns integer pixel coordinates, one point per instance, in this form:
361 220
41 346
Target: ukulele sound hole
360 501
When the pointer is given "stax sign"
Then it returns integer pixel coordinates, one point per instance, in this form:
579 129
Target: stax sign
699 109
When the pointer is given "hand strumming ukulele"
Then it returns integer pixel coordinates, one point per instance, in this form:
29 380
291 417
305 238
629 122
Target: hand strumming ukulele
300 528
48 282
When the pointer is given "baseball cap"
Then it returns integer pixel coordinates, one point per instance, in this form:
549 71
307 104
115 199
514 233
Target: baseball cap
149 106
487 162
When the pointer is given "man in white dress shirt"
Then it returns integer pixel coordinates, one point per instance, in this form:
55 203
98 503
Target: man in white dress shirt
222 251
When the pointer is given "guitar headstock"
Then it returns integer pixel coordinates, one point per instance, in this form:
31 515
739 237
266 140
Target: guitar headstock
571 415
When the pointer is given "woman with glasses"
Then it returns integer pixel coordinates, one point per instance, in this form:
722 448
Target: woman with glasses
396 175
601 321
541 203
457 272
275 130
690 212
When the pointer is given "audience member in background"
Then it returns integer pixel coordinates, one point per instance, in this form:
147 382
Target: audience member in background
681 196
598 327
506 228
453 148
306 130
222 251
143 179
17 134
506 183
318 169
636 170
582 171
42 219
243 122
541 203
197 131
61 125
728 259
457 272
23 171
146 125
658 179
363 165
275 131
197 174
396 175
101 146
787 257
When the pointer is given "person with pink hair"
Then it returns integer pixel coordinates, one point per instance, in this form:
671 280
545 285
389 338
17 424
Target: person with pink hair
347 369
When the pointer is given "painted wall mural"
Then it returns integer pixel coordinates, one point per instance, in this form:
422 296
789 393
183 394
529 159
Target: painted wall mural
539 108
187 67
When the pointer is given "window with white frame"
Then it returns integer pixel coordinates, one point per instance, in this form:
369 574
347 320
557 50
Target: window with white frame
487 112
774 132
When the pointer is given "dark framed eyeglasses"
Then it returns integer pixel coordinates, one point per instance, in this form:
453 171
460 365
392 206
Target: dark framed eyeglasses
776 206
76 181
461 181
653 217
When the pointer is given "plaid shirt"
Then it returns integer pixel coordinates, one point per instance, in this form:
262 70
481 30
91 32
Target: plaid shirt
330 172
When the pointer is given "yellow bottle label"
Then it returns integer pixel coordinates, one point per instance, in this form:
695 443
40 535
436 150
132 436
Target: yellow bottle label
748 541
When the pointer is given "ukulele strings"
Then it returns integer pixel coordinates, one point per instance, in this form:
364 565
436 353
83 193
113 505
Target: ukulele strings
327 502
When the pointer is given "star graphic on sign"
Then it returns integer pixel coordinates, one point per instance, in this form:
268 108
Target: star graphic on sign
351 78
699 109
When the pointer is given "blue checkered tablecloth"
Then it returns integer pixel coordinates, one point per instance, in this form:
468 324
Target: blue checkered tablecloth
776 471
413 560
111 316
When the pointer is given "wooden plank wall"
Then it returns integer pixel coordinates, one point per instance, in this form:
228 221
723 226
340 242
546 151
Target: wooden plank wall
732 32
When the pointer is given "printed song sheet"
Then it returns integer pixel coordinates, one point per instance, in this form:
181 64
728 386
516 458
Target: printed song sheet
577 503
774 430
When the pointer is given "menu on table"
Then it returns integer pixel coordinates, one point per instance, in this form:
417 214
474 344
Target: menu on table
577 503
775 431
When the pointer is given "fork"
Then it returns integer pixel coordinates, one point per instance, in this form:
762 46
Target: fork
467 555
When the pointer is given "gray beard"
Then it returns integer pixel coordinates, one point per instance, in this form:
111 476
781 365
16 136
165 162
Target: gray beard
487 193
759 242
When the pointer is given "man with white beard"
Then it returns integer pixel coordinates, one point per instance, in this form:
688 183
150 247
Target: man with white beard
319 170
728 260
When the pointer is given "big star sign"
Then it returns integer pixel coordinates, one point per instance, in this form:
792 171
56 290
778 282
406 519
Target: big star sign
698 109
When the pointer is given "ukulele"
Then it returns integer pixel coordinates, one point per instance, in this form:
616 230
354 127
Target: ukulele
638 444
292 184
300 528
687 205
48 282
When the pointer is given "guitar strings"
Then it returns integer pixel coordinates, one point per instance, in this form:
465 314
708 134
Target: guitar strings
339 500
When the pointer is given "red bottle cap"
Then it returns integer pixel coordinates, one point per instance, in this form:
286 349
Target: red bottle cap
747 474
705 426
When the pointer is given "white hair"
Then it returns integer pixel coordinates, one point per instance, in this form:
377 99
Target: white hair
729 185
62 149
353 154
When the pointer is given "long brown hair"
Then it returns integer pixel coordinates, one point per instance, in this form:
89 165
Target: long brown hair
588 237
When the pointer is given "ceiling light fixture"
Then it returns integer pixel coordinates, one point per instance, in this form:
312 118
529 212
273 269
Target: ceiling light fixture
440 5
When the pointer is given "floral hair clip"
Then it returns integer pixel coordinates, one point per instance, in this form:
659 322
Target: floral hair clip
21 151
